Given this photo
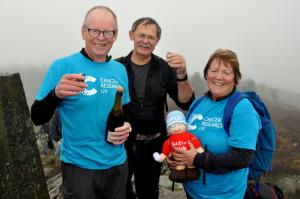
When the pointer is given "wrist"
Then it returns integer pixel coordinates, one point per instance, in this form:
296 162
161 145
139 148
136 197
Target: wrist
54 96
185 78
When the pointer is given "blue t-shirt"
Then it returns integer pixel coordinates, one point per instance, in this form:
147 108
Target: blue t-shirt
206 122
84 116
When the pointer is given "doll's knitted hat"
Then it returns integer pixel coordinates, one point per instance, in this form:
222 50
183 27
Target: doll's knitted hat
175 117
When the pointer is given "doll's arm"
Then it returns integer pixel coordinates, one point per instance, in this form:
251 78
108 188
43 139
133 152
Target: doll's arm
159 157
165 151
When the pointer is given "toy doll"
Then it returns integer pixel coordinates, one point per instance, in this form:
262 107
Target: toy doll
178 138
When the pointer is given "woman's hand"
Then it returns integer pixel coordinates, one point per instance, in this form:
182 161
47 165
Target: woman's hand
185 157
171 162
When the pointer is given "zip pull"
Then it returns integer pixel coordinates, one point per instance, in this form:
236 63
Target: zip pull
142 107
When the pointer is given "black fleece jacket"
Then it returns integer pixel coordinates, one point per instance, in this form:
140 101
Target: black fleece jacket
148 117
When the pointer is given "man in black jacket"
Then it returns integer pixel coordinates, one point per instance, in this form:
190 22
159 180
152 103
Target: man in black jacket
151 79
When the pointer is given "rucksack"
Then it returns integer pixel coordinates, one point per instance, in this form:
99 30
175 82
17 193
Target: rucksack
266 141
266 191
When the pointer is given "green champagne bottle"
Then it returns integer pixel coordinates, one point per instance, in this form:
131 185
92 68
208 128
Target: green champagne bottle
116 116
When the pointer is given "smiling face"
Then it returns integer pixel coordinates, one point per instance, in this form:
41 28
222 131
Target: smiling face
145 39
176 128
220 78
98 47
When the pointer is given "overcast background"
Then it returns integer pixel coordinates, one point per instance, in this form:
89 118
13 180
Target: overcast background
264 33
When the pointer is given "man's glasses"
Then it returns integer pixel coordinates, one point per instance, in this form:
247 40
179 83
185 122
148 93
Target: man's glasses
142 36
107 34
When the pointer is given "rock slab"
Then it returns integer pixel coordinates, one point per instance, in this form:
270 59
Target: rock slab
21 171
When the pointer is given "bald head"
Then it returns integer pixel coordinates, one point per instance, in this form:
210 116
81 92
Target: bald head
99 31
98 11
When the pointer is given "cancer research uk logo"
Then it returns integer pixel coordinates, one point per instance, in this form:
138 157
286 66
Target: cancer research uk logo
89 92
193 121
105 84
197 120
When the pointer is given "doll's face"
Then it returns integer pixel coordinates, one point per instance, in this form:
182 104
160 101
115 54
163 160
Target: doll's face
176 128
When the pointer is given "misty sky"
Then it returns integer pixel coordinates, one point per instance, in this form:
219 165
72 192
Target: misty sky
264 33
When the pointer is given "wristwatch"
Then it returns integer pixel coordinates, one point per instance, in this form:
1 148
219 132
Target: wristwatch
183 79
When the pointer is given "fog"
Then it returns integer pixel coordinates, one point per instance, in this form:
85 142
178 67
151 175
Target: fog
264 33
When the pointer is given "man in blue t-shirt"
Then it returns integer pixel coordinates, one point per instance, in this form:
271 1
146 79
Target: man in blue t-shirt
91 167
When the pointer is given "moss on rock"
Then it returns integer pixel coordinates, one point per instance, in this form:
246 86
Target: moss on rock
21 171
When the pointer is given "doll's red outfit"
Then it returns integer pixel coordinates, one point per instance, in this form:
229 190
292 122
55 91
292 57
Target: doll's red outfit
180 141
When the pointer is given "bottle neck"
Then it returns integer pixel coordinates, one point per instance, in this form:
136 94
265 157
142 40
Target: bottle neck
118 102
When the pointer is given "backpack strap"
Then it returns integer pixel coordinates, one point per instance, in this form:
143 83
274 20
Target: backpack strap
233 100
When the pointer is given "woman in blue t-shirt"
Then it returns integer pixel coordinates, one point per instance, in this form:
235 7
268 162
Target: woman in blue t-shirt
226 161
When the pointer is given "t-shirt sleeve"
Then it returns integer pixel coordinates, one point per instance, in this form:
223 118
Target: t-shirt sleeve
244 127
51 79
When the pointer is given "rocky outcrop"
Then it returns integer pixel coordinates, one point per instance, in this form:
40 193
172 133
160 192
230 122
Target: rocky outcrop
21 171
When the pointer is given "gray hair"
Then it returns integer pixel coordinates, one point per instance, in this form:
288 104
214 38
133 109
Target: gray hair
146 21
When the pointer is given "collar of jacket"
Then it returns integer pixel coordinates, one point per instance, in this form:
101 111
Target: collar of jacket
84 53
155 64
126 60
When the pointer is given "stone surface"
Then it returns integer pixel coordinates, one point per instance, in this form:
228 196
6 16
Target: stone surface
21 171
165 189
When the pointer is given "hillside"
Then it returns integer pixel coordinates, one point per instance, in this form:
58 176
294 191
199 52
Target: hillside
32 77
287 156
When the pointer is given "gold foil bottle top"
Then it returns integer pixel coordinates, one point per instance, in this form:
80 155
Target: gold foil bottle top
120 89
